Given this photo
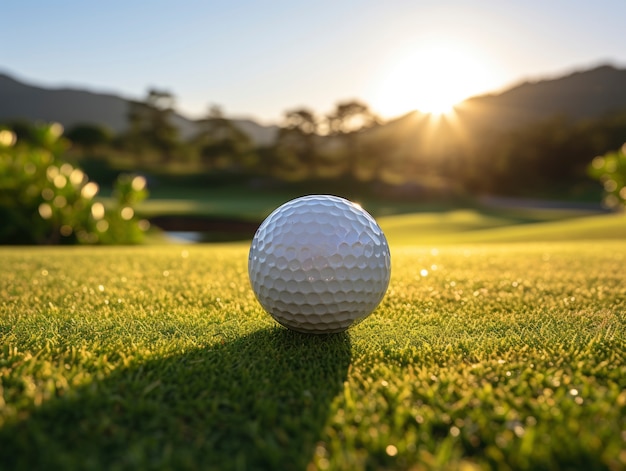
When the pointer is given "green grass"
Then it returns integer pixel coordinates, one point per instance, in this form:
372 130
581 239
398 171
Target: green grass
472 226
502 356
226 204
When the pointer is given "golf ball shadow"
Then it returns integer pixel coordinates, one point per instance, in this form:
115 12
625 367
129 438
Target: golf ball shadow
319 264
260 401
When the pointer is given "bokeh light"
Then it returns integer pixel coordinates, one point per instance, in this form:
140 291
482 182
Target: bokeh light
45 210
89 190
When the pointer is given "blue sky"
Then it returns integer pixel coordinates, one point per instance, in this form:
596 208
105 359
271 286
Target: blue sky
261 58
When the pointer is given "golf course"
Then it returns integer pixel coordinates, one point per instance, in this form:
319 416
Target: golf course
499 345
313 236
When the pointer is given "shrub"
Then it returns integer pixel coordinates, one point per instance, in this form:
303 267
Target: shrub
46 200
610 170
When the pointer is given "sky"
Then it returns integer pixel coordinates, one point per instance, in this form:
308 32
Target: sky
259 59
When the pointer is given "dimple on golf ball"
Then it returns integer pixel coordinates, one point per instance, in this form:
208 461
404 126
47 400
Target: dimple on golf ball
319 264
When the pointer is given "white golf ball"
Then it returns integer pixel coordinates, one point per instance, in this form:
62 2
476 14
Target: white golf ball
319 264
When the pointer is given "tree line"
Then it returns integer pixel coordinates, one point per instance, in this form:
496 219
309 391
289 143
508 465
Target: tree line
299 151
351 143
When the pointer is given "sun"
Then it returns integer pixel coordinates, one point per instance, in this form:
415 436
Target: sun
431 78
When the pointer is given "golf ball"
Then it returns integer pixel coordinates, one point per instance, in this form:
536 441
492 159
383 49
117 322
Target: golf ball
319 264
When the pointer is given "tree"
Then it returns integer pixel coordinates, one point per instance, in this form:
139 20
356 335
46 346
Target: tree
221 144
296 142
89 136
151 125
348 120
350 116
302 120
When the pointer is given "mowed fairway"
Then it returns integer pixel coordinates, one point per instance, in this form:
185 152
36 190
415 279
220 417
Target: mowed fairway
503 356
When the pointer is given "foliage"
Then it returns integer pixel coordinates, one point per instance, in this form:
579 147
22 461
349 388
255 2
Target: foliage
417 154
309 147
151 128
89 136
46 200
122 224
350 116
551 153
506 356
221 145
610 169
295 147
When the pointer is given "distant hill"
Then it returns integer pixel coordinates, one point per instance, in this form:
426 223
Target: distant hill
580 95
66 106
584 94
72 106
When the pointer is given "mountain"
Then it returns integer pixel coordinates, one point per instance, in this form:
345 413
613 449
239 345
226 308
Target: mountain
581 95
72 106
66 106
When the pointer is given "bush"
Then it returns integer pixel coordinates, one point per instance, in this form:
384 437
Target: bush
610 169
46 200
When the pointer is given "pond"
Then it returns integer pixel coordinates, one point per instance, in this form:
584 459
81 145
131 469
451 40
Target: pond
200 229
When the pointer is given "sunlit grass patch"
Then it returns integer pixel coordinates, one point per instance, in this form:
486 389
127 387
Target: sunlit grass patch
469 226
480 356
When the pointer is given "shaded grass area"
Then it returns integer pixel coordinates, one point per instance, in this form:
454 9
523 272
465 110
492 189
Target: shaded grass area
507 356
